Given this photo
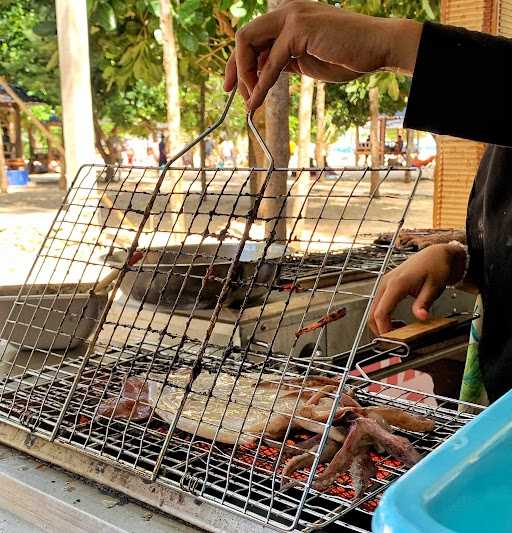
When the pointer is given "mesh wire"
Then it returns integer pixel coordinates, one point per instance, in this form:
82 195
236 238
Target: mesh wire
197 253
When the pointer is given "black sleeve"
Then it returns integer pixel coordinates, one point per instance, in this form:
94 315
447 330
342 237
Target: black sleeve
462 85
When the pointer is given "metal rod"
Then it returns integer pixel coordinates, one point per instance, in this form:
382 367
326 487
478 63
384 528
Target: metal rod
187 319
204 134
197 366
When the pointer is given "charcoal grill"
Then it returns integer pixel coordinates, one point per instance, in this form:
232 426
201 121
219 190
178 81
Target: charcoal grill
364 263
54 394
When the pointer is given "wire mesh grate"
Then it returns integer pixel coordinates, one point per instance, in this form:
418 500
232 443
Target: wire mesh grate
108 357
242 478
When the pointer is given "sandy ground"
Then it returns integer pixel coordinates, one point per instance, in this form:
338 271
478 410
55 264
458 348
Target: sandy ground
26 214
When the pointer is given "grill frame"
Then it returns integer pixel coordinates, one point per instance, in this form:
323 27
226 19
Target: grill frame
58 401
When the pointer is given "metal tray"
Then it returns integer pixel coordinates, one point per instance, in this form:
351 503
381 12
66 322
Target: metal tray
33 320
173 276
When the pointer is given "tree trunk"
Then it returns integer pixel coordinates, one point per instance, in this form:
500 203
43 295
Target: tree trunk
75 84
102 145
63 182
277 135
202 127
356 153
251 159
301 189
170 61
408 157
3 170
100 141
256 155
172 95
383 124
374 140
320 148
307 87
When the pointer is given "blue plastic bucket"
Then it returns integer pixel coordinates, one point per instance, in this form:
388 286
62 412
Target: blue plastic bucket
17 177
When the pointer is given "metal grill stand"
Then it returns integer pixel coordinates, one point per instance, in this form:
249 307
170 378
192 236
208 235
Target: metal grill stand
172 247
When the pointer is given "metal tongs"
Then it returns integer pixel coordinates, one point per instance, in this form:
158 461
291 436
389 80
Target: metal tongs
103 285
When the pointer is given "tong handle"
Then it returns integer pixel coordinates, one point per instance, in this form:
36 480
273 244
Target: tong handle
417 330
260 140
204 134
215 125
103 284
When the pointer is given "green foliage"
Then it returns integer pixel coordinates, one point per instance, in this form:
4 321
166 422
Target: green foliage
124 45
420 10
135 110
28 48
242 11
126 58
347 104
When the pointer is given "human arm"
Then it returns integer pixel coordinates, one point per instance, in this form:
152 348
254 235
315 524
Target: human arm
461 86
318 40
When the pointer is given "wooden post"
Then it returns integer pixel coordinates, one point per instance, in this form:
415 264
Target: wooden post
408 153
374 140
11 127
4 184
48 150
75 83
356 154
202 127
31 146
17 122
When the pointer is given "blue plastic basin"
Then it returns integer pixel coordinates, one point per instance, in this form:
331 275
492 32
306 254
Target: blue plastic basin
17 177
464 486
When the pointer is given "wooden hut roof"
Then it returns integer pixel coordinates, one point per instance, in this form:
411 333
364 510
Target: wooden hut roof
22 94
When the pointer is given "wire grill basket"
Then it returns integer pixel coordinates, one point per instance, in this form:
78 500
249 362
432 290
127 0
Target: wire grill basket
134 256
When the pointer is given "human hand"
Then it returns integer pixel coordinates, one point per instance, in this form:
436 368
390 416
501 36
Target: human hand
424 276
320 41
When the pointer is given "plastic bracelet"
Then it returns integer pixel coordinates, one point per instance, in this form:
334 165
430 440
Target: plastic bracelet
466 263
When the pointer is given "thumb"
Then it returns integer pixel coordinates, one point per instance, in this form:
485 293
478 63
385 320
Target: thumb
421 306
